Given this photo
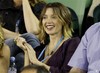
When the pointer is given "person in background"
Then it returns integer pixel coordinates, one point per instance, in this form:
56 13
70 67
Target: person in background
90 19
57 44
4 54
34 69
12 12
9 21
94 4
86 58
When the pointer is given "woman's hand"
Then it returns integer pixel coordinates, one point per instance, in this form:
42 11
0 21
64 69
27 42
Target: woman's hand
31 54
20 42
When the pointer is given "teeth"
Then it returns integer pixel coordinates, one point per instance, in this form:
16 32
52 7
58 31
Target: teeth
50 27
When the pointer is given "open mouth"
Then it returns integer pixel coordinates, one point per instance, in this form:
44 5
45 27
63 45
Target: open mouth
50 27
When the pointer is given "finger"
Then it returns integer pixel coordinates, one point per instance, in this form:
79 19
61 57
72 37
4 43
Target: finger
28 48
25 46
16 40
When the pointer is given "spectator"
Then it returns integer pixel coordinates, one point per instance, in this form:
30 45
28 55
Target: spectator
86 58
89 18
57 43
12 14
94 4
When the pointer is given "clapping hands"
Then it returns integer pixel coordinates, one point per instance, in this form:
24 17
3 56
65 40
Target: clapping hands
20 42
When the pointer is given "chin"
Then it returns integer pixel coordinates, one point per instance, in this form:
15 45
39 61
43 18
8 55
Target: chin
50 33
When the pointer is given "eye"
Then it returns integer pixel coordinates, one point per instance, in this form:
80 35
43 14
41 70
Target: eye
44 17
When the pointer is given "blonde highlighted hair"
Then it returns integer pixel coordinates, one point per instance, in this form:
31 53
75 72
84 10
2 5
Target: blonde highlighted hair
64 16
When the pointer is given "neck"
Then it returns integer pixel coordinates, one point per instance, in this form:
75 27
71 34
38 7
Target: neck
55 42
54 38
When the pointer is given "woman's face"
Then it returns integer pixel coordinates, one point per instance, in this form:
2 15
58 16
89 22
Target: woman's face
51 23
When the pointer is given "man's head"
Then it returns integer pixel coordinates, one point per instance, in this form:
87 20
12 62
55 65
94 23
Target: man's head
34 69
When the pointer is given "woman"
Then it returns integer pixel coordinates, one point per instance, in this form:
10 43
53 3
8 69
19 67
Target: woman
14 17
4 54
12 13
57 44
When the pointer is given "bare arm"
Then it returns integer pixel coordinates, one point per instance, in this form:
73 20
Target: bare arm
26 58
32 57
9 34
77 70
31 21
7 54
30 53
21 43
5 60
94 4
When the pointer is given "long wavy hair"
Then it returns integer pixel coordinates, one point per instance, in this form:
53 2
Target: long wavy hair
64 17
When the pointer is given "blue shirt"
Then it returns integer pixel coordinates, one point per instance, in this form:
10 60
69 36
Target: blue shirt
87 55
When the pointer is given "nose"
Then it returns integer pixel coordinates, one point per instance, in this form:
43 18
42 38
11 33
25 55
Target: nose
49 20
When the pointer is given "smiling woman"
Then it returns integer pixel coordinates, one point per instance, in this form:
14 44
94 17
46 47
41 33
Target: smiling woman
59 16
57 43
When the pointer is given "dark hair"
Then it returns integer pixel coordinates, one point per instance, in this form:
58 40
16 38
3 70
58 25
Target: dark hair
39 69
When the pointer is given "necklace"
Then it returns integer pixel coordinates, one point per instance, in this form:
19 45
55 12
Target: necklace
55 48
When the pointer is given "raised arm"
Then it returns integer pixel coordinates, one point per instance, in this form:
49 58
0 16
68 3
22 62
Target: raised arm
31 21
9 34
94 4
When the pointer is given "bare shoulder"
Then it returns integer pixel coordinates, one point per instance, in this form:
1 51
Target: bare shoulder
6 50
6 47
5 59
